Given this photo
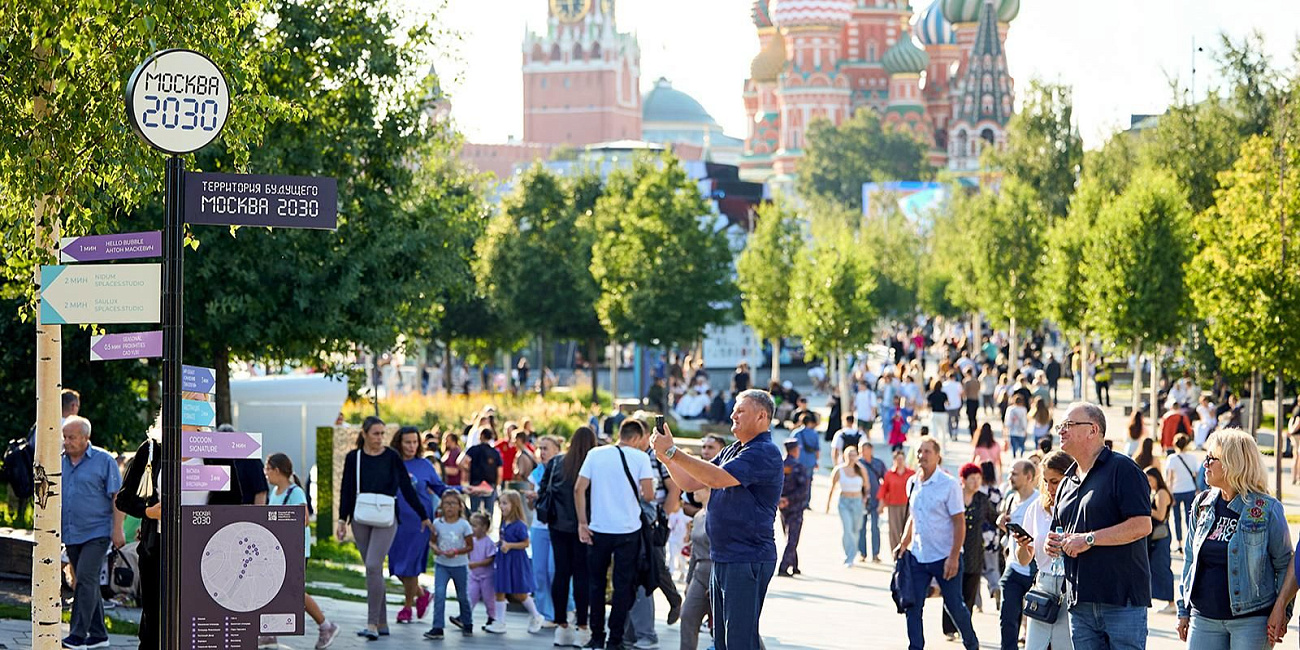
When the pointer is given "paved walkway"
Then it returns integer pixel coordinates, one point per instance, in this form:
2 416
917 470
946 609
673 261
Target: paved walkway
829 607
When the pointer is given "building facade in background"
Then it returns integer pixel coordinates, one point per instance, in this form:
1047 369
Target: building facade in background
826 59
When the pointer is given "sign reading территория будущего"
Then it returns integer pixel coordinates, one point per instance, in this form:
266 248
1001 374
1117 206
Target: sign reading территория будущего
261 200
101 293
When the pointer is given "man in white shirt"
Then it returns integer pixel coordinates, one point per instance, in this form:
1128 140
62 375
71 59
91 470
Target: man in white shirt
612 533
952 390
1018 578
865 405
849 436
933 541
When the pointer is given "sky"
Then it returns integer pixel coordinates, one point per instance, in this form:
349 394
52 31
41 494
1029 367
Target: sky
1118 55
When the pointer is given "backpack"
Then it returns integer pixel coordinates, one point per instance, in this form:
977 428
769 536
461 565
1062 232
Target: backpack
851 439
19 456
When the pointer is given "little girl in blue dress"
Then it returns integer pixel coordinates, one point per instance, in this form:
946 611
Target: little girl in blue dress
514 570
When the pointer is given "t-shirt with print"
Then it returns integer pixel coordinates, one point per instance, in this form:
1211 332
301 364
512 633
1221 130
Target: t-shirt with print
1210 585
294 496
615 507
484 548
451 536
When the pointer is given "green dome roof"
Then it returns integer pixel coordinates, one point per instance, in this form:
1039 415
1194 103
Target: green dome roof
664 104
968 11
905 57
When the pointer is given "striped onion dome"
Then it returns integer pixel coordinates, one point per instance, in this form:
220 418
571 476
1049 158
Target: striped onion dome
968 11
905 57
932 28
818 13
761 14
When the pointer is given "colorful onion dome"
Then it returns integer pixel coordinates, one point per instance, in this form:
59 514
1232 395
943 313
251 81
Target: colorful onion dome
968 11
932 28
905 57
769 62
761 14
811 13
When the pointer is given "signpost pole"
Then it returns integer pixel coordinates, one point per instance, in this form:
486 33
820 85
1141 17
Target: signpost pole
173 331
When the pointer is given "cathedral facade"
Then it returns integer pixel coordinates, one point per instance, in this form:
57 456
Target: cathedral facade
940 75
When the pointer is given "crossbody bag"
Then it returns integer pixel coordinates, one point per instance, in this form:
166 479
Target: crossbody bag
373 509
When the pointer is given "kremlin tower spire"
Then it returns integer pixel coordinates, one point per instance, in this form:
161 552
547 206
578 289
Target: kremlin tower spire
982 97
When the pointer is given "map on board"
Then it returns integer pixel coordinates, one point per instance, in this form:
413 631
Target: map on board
243 566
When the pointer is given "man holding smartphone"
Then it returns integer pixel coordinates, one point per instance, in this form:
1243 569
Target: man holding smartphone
1018 578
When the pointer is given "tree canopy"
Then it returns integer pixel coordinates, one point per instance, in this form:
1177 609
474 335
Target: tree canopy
765 269
839 159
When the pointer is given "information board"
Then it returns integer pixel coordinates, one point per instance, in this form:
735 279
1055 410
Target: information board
260 200
251 561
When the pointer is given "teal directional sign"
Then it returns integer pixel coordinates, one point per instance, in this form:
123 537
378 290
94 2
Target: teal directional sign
198 414
101 293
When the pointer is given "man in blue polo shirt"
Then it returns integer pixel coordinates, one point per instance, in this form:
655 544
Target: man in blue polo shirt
1104 507
90 521
745 481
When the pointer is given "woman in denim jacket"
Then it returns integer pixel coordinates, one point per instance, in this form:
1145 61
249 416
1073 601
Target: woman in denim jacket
1237 551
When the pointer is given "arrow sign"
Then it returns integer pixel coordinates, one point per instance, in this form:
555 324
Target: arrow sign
97 248
101 293
132 345
210 478
197 379
198 414
258 200
206 444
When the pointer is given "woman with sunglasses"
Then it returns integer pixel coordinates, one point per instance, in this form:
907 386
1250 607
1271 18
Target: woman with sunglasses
1237 551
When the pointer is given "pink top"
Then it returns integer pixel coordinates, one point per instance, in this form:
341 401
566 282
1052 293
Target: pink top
484 548
989 454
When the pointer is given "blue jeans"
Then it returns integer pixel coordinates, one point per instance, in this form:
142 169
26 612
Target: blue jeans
1250 633
870 518
484 503
851 521
1181 510
460 576
952 601
539 540
1017 446
1014 586
736 593
1108 627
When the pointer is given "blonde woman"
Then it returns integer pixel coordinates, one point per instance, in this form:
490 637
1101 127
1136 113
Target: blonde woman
1237 552
1051 576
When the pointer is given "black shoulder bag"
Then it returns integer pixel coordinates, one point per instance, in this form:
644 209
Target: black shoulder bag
546 498
650 514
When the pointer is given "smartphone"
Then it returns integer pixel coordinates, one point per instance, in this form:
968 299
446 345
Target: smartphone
1019 531
659 424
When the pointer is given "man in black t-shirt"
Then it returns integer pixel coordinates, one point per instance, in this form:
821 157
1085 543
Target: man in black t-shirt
483 463
1104 508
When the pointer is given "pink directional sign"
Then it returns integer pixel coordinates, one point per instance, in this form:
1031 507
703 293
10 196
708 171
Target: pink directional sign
207 444
206 478
97 248
132 345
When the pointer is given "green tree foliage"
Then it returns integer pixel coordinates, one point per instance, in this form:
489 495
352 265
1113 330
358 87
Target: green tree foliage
1007 243
534 261
833 284
765 268
947 283
1250 303
1106 174
1194 142
664 273
892 244
839 159
1134 260
72 60
1044 149
407 211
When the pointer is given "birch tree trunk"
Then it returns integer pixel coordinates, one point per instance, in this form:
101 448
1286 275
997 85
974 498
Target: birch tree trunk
47 501
1137 375
1279 407
1155 400
1013 353
776 358
613 373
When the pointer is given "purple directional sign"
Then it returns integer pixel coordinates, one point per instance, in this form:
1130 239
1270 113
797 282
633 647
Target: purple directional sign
132 345
99 248
207 444
205 478
197 379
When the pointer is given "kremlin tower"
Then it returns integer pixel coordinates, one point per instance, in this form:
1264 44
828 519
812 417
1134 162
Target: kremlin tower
829 58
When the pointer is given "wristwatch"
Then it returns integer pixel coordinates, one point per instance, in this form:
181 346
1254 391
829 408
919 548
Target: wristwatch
1090 539
671 451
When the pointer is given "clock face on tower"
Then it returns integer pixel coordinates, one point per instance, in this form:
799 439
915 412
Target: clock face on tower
570 11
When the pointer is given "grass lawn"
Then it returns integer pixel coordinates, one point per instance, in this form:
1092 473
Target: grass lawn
24 612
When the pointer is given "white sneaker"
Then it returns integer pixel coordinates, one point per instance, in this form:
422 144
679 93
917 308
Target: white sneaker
497 627
326 635
564 637
535 624
548 624
581 637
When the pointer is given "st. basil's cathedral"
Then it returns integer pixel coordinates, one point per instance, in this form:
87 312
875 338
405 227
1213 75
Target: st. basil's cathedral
830 58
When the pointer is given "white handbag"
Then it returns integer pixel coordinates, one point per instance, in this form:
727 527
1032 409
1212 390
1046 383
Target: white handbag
372 509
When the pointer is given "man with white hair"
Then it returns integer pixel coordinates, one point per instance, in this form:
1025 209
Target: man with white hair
90 521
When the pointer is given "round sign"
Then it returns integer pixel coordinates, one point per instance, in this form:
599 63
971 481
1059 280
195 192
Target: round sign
177 101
